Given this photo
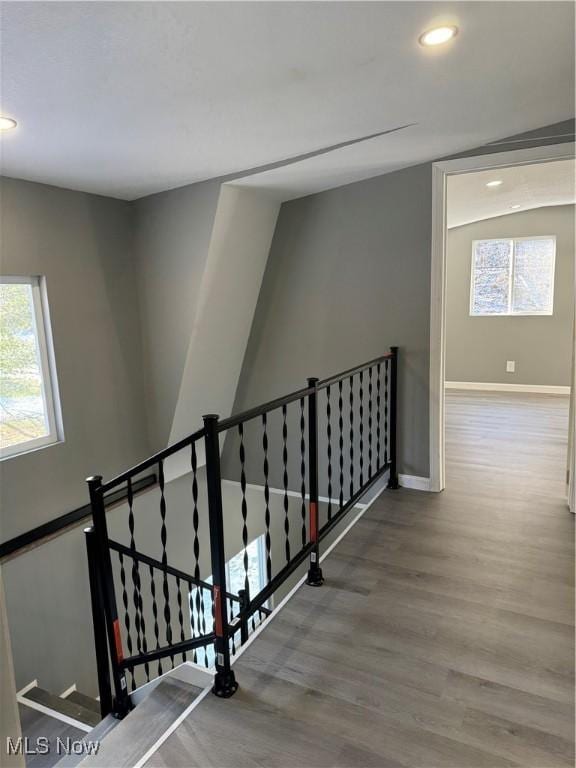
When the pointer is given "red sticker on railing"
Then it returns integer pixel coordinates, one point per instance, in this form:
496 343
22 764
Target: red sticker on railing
313 521
217 613
118 641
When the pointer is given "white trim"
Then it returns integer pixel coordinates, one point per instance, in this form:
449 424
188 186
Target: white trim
440 172
415 482
173 726
68 691
32 684
52 713
485 386
156 746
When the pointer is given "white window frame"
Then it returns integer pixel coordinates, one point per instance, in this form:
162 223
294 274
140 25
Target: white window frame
50 393
510 313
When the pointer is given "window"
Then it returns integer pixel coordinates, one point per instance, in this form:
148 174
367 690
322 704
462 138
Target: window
513 276
29 413
234 582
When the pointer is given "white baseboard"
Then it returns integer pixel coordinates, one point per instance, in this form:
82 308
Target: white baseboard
415 482
479 386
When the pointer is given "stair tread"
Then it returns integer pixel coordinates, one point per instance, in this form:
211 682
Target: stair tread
85 701
36 724
97 734
63 706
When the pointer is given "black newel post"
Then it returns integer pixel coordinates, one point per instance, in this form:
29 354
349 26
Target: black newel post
393 477
315 578
225 684
121 703
99 622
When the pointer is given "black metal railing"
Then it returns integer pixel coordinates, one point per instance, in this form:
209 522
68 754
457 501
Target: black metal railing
280 476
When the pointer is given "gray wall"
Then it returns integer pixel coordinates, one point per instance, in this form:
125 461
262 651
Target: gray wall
172 237
83 245
477 347
348 275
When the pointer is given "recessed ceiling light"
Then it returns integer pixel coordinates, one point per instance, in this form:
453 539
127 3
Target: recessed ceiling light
6 123
495 183
437 36
515 207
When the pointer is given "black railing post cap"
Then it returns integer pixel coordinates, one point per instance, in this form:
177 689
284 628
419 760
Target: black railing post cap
211 417
312 381
94 480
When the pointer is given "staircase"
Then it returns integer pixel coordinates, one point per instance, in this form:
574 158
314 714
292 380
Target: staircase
53 725
68 730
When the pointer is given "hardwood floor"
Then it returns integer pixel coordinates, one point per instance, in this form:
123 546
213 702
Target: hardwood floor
443 635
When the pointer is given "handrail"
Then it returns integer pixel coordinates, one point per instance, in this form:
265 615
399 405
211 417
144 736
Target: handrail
344 437
271 405
153 460
52 527
352 371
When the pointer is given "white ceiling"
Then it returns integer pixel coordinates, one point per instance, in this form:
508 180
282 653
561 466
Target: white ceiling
130 98
530 186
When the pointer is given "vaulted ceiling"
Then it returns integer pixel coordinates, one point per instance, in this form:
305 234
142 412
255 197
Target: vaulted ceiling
522 188
130 98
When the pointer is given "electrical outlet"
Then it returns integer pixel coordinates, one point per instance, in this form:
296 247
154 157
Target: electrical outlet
510 366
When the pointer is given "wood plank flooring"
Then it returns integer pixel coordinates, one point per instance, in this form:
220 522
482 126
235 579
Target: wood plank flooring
443 636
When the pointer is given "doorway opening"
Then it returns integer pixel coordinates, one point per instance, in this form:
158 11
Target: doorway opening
502 317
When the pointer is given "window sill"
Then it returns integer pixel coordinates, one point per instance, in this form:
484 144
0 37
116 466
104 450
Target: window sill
32 447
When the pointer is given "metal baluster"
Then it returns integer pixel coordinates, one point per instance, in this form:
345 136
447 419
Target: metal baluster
139 620
155 614
205 627
351 436
243 606
386 412
378 382
192 589
341 442
127 623
266 498
329 449
361 429
244 506
163 537
180 614
233 634
285 500
303 471
198 605
370 392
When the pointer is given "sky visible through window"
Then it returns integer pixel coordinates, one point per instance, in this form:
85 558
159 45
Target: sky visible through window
23 415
